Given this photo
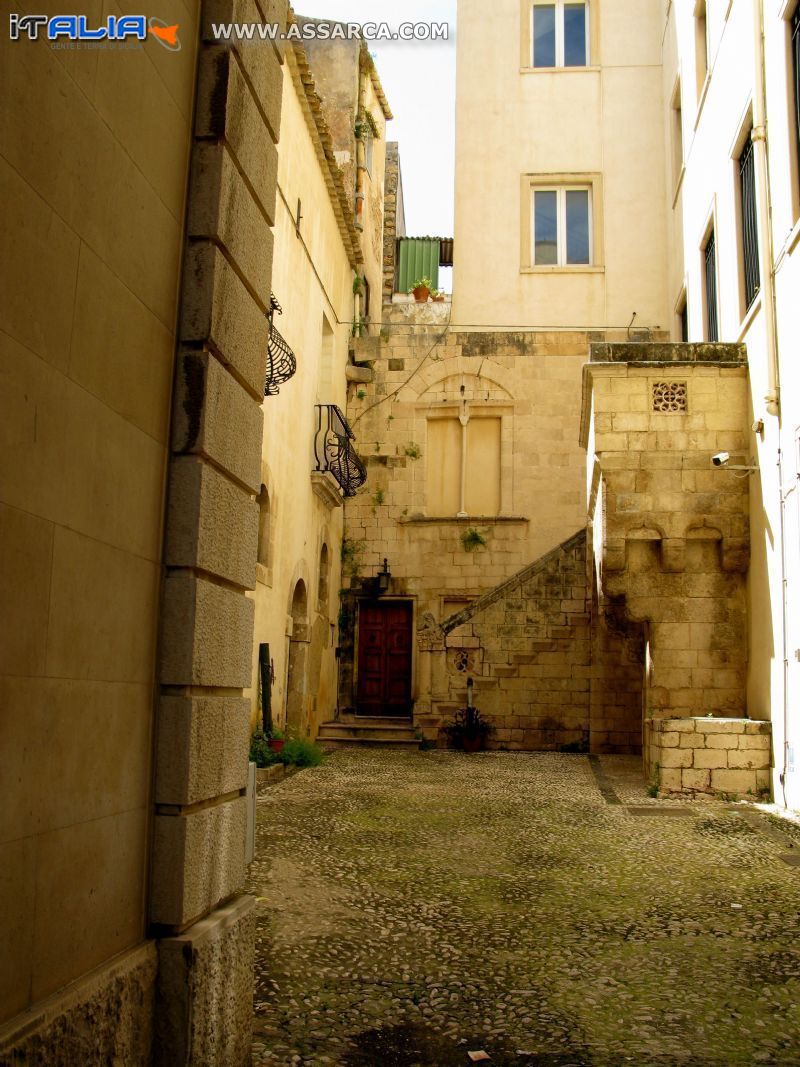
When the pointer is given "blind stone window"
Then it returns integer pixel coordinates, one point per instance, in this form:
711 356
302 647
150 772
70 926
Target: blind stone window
463 466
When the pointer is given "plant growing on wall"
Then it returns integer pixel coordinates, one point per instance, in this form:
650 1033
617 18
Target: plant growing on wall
471 540
361 394
412 450
377 499
351 556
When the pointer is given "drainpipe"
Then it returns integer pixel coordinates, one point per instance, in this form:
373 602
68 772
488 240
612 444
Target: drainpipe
765 251
361 159
766 260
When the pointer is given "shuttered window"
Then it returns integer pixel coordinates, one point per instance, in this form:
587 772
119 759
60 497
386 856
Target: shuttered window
710 265
747 187
796 77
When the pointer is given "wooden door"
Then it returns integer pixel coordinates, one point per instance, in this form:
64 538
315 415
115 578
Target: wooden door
384 658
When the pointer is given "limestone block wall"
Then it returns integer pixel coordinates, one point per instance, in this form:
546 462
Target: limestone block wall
671 530
94 156
530 647
710 755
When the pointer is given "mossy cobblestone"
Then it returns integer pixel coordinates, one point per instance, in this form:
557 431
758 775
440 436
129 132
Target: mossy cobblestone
412 906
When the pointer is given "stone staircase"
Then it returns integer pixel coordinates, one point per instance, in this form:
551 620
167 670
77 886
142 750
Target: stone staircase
373 732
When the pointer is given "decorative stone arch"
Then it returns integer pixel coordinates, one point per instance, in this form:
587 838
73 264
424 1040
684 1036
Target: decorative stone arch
478 373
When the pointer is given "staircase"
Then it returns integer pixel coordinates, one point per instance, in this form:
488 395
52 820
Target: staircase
350 730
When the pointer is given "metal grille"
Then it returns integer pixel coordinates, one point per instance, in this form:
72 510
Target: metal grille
710 255
334 452
796 74
281 362
747 178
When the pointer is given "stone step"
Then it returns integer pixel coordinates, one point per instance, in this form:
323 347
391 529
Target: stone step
412 744
338 731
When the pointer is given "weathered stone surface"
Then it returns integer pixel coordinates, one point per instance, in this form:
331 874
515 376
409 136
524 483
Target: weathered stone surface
202 748
218 310
208 402
205 977
212 524
200 857
104 1017
207 633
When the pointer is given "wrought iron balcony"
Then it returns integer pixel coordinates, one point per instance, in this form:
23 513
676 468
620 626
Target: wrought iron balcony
334 452
281 362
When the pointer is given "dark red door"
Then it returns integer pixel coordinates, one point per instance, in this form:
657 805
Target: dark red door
384 658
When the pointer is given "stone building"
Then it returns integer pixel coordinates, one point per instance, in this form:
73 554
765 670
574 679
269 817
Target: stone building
131 383
325 266
653 197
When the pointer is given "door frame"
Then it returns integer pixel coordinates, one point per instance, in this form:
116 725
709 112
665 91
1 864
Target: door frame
412 600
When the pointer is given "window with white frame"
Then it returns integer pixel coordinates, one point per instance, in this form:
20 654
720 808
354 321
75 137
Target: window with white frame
562 226
559 34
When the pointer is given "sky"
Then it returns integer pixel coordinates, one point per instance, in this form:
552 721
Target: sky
419 79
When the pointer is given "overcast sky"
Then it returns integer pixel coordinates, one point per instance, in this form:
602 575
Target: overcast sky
419 79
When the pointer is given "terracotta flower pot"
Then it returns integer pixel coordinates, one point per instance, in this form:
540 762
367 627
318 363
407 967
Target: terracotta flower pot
438 299
472 744
421 294
276 744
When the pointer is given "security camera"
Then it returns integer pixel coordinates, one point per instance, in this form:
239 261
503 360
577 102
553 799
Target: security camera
721 459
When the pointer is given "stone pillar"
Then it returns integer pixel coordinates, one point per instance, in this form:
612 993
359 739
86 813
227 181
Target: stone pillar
204 1002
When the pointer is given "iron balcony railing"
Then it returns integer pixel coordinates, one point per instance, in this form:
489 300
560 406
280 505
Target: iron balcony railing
334 451
281 362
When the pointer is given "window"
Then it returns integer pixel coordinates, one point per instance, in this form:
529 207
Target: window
561 227
677 134
322 583
749 226
795 76
710 287
682 315
701 44
560 34
463 472
264 526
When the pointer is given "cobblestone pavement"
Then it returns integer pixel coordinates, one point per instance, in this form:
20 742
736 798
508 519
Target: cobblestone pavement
414 906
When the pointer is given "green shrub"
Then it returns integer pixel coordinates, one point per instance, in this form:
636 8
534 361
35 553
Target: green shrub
301 753
260 752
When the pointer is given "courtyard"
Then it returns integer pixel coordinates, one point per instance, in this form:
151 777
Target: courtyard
539 907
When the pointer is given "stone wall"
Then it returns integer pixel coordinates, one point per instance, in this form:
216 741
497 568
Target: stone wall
671 531
710 755
530 647
211 545
94 155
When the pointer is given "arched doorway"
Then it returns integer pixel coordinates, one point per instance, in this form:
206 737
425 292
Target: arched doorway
298 651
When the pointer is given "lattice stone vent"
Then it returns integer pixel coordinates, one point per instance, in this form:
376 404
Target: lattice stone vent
669 396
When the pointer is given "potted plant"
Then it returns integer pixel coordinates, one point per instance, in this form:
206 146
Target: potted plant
421 289
277 739
437 296
468 730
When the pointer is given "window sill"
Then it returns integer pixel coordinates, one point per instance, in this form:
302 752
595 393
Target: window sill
465 520
750 315
572 269
679 185
559 70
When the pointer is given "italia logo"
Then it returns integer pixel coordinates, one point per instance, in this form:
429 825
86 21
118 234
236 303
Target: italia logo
77 28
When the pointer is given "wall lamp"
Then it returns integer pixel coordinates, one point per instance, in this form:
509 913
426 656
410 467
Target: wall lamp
380 582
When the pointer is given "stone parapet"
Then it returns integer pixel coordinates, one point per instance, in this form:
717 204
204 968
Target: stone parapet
709 755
